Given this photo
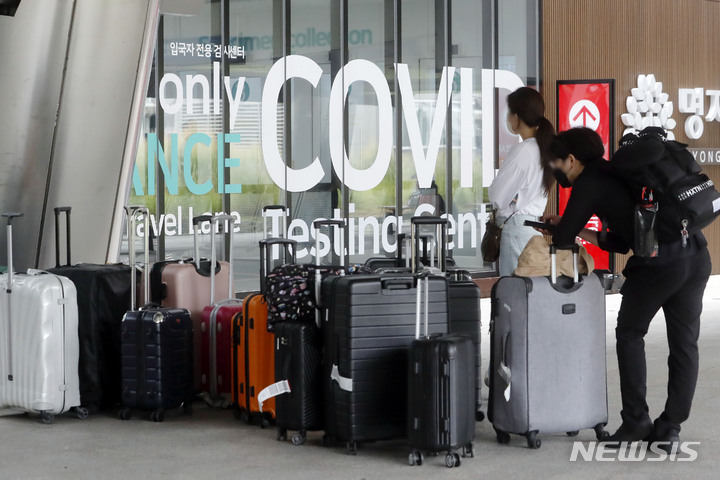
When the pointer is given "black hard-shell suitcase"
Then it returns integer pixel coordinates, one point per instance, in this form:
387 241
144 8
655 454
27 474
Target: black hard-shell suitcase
156 351
464 294
298 360
367 331
103 296
464 307
441 386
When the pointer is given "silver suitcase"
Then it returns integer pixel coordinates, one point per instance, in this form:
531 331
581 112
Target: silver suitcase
39 347
547 360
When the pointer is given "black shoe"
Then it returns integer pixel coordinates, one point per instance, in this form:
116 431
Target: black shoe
663 438
629 433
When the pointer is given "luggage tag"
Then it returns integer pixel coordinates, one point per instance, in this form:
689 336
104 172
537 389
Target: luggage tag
505 374
272 391
503 370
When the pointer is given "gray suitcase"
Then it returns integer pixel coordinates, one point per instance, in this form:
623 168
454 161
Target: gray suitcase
547 359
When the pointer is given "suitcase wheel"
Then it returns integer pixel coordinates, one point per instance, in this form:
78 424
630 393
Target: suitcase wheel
503 438
158 415
81 412
469 450
352 448
281 435
415 458
298 438
264 422
532 440
600 432
452 459
574 433
237 412
124 414
246 417
479 416
47 418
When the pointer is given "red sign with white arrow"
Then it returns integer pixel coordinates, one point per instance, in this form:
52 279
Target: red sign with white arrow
587 104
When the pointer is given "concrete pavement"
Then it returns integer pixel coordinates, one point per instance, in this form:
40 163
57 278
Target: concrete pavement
213 445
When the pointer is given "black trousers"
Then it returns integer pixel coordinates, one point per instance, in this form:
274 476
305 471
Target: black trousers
678 289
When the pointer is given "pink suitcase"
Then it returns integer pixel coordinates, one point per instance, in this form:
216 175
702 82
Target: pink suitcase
187 284
216 330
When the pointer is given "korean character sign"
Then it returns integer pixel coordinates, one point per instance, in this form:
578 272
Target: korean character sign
208 50
692 101
181 48
218 50
173 49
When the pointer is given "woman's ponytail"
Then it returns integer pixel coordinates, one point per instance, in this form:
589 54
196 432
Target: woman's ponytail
529 106
544 136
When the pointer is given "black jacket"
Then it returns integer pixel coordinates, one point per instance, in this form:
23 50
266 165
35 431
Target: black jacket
597 191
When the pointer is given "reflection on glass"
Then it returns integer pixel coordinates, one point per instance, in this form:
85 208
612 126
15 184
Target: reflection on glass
325 138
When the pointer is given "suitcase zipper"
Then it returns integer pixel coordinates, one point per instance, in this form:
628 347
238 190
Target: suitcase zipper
63 302
140 351
213 352
246 345
235 343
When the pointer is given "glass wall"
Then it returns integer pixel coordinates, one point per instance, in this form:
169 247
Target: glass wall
370 110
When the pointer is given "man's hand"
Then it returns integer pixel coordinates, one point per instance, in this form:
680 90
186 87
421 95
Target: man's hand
551 220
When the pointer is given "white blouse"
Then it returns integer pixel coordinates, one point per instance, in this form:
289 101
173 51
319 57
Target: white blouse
521 176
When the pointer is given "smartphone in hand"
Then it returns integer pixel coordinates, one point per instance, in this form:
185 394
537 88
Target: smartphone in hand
540 225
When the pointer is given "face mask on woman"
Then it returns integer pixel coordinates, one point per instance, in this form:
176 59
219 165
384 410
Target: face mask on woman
509 125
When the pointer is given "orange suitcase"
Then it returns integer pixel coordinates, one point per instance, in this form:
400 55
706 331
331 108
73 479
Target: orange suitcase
253 351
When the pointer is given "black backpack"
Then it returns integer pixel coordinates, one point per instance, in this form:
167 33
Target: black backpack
687 200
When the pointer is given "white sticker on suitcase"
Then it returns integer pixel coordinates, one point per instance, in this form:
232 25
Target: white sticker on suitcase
273 391
343 382
505 374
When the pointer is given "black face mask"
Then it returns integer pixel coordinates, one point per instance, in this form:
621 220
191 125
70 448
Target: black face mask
561 178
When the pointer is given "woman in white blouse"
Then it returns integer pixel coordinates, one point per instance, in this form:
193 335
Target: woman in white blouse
520 189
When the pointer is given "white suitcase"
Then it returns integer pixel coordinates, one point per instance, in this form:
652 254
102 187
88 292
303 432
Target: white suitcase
39 347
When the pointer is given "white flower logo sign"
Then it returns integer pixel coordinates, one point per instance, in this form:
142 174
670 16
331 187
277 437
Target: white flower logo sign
648 106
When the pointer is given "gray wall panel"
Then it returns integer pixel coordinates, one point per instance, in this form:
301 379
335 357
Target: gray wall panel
110 53
33 50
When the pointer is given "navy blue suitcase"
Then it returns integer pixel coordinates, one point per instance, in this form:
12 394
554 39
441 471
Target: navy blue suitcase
157 361
156 352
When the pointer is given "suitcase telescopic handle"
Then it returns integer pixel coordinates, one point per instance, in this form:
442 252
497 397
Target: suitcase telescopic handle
269 208
575 248
340 224
132 215
58 211
228 227
404 239
8 289
441 242
422 299
266 256
197 220
10 216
